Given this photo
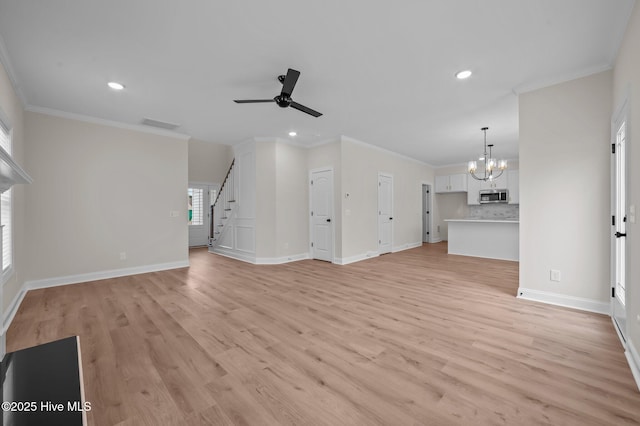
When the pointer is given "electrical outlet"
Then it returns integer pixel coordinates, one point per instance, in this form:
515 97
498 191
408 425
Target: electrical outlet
555 275
174 213
123 255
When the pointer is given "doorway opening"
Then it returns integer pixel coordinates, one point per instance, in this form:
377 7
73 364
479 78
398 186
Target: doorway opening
200 196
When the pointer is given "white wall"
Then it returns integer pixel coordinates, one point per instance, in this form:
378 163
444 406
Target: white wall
98 191
626 81
266 206
448 206
292 201
565 188
361 164
208 162
12 110
282 225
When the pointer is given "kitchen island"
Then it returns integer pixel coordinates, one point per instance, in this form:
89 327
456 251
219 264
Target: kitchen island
494 238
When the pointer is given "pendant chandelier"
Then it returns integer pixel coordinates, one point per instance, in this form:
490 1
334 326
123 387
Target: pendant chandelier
492 169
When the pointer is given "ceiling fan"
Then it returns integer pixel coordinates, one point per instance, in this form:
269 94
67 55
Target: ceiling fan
284 98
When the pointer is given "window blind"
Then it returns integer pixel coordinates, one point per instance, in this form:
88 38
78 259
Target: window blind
5 206
197 205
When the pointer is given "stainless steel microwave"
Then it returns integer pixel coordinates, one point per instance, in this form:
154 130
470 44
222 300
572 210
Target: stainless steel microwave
494 196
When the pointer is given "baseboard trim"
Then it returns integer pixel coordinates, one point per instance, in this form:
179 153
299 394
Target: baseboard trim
233 254
371 254
634 361
580 303
10 313
407 246
102 275
281 260
356 258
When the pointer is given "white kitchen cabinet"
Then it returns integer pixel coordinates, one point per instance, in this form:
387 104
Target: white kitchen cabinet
497 183
490 238
451 183
442 184
513 185
473 188
509 180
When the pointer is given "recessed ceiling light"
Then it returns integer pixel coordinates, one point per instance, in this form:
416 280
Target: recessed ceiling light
461 75
292 133
115 85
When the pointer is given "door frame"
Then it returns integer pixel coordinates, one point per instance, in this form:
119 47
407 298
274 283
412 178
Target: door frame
333 211
621 115
390 176
206 207
427 201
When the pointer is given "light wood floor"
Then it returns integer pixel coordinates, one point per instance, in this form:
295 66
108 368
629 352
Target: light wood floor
417 337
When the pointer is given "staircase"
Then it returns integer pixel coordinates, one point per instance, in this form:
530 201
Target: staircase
223 209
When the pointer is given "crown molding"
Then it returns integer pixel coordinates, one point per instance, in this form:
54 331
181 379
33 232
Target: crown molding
323 142
104 122
547 82
344 138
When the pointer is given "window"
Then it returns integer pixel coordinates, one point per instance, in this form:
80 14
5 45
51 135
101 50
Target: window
196 206
5 206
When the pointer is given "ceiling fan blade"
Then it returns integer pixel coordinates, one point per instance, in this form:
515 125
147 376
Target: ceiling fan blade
304 109
252 101
289 82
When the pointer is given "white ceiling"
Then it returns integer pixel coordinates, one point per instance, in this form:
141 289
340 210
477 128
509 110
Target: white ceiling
381 72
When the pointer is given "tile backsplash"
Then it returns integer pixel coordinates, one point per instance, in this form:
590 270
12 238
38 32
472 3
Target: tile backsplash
490 211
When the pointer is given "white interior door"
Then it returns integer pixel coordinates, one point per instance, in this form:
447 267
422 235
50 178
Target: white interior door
199 199
619 222
385 213
321 211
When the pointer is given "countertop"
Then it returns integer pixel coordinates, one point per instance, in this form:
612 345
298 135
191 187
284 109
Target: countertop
486 220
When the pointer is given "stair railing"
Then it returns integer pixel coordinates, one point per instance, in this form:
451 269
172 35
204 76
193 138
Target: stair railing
225 196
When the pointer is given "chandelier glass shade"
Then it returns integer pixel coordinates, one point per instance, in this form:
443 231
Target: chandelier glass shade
493 168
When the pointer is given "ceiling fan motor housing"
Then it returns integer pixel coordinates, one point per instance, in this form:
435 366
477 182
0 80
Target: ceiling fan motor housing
283 101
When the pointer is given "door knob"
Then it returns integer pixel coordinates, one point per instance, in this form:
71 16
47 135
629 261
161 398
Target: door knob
620 234
390 218
328 220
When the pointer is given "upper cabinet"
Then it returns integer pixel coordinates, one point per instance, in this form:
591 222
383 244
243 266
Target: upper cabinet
497 183
451 183
513 185
508 180
474 186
